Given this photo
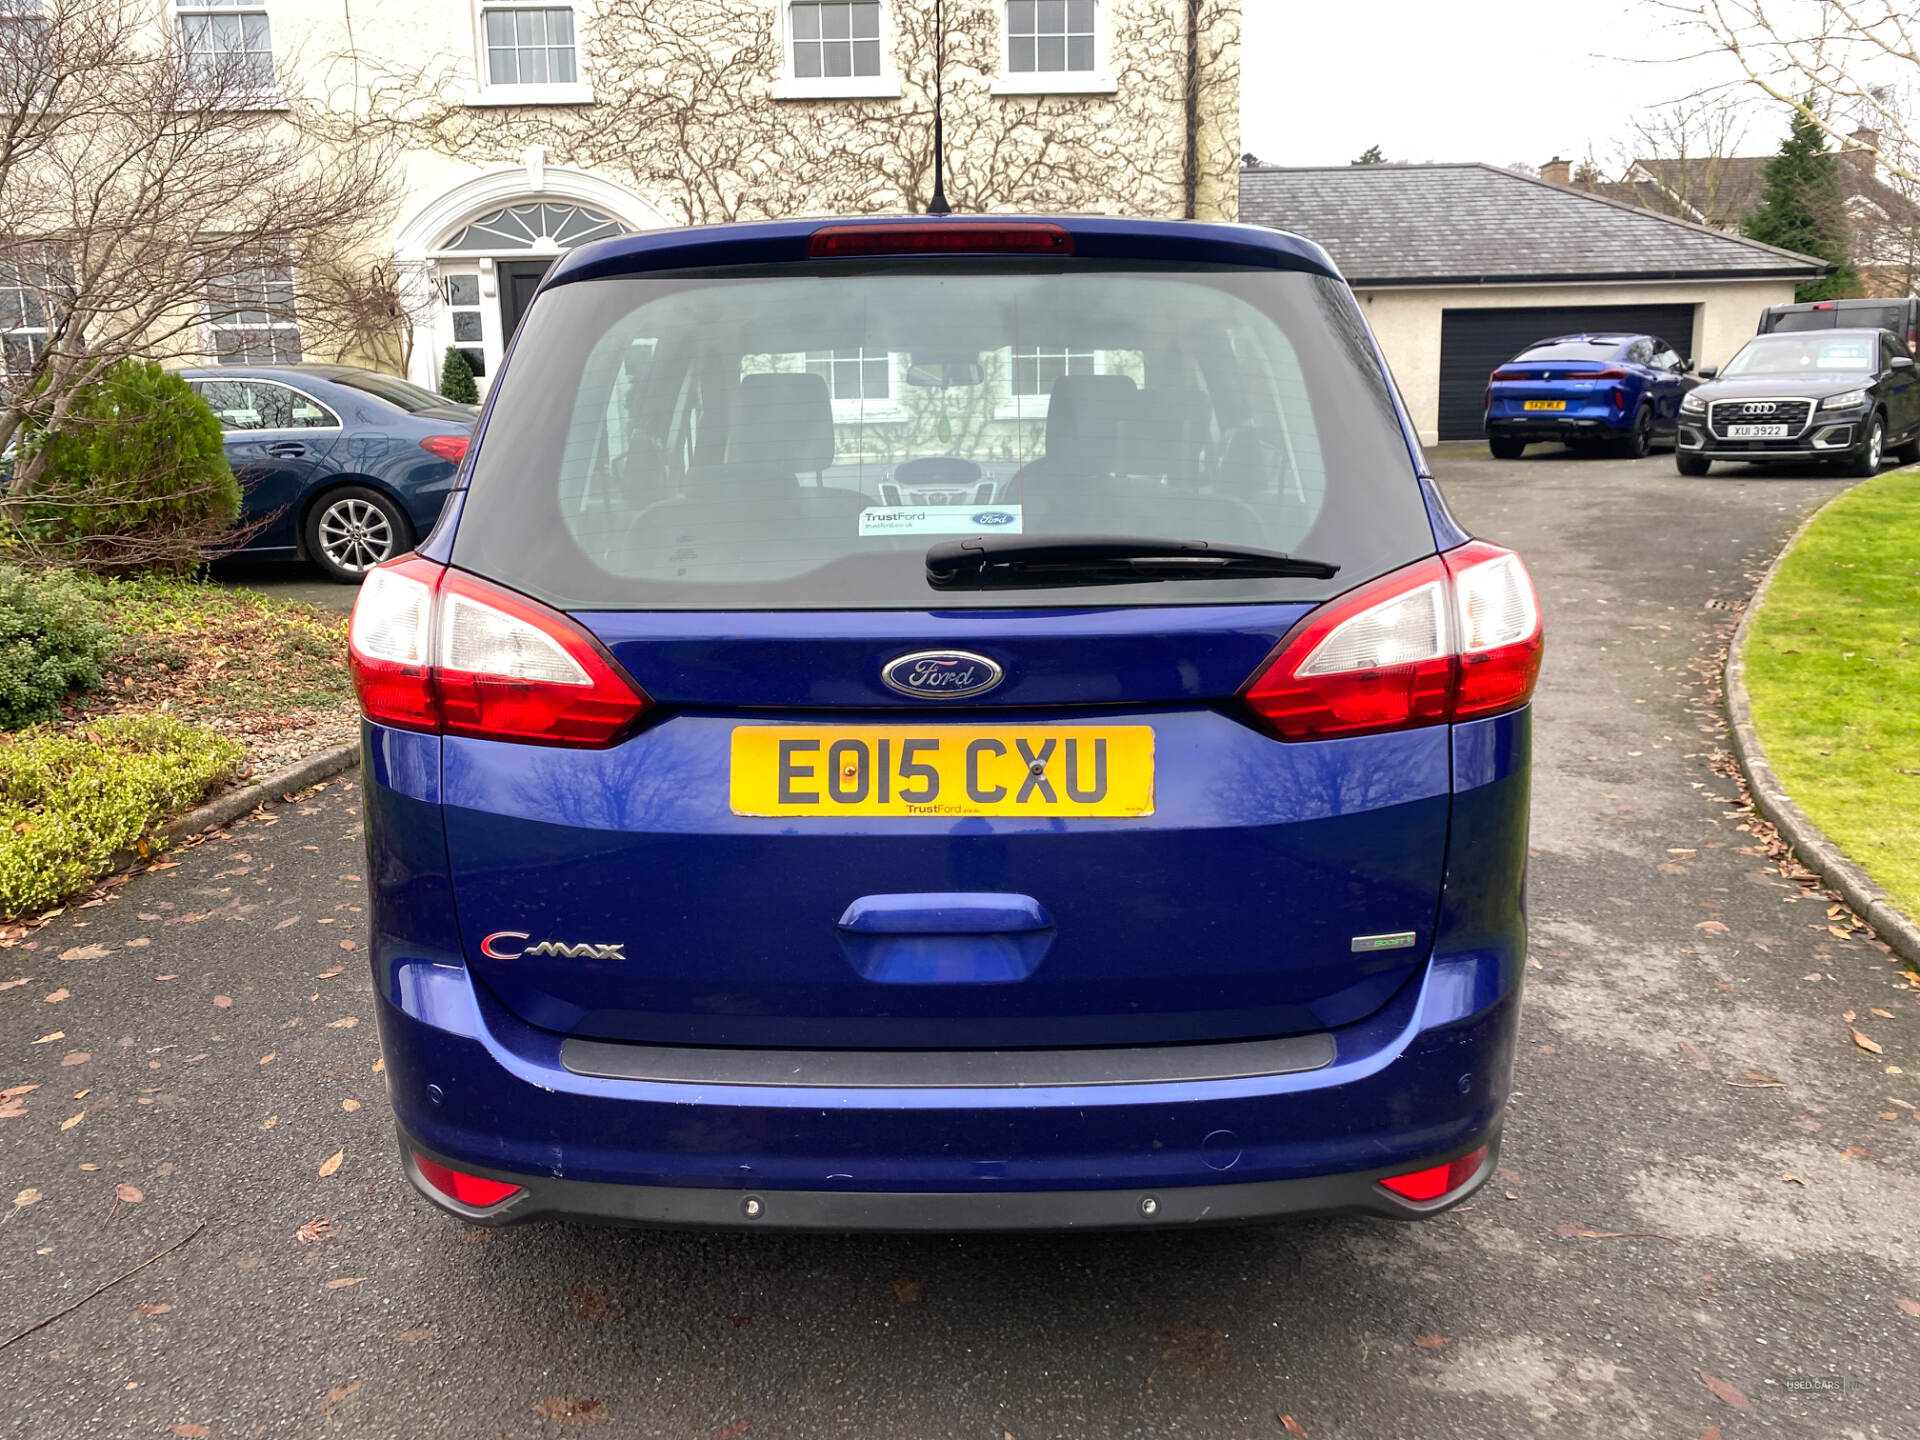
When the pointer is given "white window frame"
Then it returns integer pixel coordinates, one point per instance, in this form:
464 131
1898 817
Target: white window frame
215 323
789 86
1097 81
578 91
266 95
863 411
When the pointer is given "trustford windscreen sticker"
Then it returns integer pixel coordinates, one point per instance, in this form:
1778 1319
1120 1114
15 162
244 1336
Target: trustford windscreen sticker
940 520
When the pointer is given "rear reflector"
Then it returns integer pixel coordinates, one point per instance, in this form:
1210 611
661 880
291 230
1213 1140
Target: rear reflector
446 652
1440 1180
1454 637
447 447
839 242
475 1190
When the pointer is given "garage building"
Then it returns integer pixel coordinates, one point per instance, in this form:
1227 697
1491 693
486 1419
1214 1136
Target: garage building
1459 267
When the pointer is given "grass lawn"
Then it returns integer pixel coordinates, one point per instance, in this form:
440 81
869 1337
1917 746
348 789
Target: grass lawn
1833 666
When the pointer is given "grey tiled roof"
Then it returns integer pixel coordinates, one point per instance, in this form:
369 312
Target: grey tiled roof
1414 224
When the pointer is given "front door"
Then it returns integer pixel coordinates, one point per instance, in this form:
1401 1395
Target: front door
277 440
518 280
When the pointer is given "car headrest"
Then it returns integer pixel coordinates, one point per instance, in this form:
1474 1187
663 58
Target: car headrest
1166 429
1085 416
784 423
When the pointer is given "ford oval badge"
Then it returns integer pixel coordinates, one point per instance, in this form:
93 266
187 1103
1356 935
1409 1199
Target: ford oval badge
941 675
995 517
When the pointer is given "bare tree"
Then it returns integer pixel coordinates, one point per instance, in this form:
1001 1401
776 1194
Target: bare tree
1846 65
1689 153
147 195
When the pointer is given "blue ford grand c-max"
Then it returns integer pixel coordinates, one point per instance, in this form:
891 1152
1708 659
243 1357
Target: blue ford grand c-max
946 724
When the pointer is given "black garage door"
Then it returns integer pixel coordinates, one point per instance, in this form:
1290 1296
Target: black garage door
1473 342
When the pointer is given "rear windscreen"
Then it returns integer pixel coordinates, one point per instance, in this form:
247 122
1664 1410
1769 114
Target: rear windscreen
1571 350
800 438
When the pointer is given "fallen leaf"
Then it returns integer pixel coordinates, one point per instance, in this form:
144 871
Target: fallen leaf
86 952
573 1410
166 977
338 1395
160 1309
1713 927
1870 1046
1912 1307
19 980
188 1431
1791 1179
314 1231
1883 1014
1695 1053
349 1105
343 1283
49 1039
75 1057
348 945
1723 1391
1856 1152
739 1428
1712 1432
1293 1427
415 1335
1433 1342
224 1002
139 943
57 996
345 1022
128 1194
328 974
72 1121
269 1122
909 1291
1581 1232
1847 1015
269 1057
331 1163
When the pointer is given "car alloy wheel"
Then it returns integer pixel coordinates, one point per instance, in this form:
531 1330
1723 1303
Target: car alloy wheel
355 534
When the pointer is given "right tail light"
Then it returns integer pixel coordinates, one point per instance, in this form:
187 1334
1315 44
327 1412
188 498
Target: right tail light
1454 637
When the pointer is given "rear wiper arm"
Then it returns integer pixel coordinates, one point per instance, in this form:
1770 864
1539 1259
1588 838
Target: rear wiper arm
1034 562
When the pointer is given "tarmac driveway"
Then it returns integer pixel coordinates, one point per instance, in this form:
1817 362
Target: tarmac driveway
1705 1216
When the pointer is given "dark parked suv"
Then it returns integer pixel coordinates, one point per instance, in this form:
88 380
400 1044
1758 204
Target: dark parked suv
1841 395
1901 316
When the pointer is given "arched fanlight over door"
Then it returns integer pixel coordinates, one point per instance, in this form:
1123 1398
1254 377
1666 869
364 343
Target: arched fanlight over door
523 227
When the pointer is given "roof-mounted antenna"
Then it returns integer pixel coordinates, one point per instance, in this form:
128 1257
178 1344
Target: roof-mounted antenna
938 204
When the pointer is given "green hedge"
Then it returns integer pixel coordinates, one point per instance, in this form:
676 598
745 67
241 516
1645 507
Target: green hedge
70 802
53 638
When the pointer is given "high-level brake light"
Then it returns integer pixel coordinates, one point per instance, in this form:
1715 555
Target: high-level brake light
843 242
1454 637
443 651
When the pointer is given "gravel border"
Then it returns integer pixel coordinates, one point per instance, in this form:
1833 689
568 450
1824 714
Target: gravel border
225 809
1808 840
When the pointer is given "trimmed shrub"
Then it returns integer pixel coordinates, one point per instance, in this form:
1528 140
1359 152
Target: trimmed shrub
134 478
70 802
456 377
52 640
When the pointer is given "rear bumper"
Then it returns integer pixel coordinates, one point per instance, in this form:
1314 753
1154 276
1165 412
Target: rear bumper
1173 1206
1420 1082
1550 424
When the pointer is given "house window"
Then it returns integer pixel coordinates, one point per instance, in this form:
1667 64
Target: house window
853 374
835 38
251 318
23 30
1049 36
32 290
529 44
1035 368
226 42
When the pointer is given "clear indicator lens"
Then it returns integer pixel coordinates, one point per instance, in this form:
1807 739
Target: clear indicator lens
479 640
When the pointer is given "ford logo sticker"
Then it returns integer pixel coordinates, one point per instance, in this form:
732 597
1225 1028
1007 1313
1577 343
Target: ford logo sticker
995 517
941 675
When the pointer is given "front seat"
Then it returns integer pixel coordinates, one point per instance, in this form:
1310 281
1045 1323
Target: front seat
1087 416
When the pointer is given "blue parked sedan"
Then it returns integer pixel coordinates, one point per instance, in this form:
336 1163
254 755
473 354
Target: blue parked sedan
1121 823
347 467
1618 391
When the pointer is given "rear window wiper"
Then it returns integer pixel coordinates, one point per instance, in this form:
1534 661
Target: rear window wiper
1033 562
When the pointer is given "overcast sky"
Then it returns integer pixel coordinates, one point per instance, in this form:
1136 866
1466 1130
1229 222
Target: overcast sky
1494 80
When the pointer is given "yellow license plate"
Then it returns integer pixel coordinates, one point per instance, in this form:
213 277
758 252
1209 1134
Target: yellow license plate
1544 405
837 770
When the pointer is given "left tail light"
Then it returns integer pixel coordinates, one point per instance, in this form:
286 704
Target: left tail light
1454 637
447 447
446 652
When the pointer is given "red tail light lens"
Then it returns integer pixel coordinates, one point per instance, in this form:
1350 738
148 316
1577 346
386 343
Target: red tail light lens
1440 1180
1454 637
840 242
1501 375
452 448
474 1190
442 651
1614 374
